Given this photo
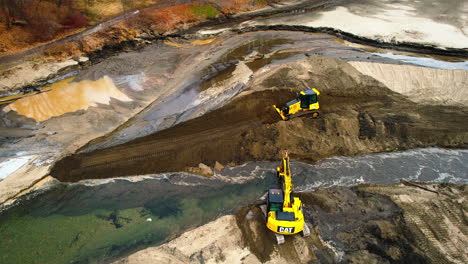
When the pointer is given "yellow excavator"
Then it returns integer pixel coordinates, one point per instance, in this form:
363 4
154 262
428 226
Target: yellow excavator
306 103
283 211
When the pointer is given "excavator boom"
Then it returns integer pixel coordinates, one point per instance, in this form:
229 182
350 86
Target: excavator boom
283 211
285 173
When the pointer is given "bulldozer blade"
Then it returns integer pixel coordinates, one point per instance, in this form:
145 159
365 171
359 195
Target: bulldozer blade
285 118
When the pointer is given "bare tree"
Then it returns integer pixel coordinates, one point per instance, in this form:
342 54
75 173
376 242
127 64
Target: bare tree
6 8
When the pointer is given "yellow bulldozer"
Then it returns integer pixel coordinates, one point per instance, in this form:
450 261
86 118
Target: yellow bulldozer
306 103
283 211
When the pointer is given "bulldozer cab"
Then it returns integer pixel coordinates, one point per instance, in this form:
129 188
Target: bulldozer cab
307 97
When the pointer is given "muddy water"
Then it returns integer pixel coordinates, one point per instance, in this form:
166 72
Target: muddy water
97 220
66 96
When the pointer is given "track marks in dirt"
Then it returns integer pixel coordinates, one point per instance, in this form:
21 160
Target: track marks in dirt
359 115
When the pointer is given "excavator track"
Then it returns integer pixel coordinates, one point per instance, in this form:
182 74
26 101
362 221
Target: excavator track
279 237
306 230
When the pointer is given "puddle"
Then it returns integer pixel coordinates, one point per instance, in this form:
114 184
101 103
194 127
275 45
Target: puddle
188 44
134 82
426 62
66 96
380 51
276 57
221 74
256 53
173 44
201 42
260 46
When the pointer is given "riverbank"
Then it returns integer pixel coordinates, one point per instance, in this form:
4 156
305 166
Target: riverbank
129 33
119 208
157 73
367 223
237 68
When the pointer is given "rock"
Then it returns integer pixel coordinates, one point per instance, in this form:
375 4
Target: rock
205 170
218 166
202 170
83 59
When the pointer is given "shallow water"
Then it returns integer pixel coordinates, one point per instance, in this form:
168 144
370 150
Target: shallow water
66 96
80 223
420 165
95 220
426 62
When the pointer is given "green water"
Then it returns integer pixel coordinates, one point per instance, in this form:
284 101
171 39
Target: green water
83 224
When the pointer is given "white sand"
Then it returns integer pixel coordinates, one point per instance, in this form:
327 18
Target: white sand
219 241
420 84
391 23
13 164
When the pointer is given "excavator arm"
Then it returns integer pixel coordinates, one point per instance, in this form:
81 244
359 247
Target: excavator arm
285 173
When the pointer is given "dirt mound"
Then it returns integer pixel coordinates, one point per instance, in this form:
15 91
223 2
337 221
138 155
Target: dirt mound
435 216
401 223
359 115
421 85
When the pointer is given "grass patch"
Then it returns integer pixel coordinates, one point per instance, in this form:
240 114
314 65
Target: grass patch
206 10
261 3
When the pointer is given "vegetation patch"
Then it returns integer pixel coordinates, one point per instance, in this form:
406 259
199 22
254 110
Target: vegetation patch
206 11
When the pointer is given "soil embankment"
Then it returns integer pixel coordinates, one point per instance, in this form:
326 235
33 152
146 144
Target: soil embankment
421 85
364 224
359 115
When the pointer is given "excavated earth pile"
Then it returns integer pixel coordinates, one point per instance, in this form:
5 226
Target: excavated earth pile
402 223
359 115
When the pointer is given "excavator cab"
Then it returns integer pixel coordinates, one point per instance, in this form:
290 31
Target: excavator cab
275 200
306 103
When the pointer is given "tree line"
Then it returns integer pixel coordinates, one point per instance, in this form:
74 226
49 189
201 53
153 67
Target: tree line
43 18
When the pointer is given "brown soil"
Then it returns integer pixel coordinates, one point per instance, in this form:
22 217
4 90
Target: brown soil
347 226
435 216
359 115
